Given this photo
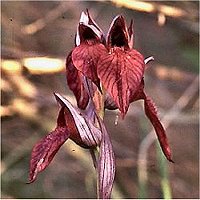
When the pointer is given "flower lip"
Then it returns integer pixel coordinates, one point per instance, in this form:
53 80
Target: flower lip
118 33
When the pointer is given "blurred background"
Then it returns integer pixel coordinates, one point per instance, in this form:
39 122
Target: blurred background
36 37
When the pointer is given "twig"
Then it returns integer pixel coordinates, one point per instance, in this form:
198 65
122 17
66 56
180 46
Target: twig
49 17
151 7
188 17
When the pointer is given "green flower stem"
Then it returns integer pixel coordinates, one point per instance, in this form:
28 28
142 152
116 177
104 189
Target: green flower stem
142 172
164 175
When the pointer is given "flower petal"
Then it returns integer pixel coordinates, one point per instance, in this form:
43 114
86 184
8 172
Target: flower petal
120 73
45 150
139 94
118 33
85 58
147 60
76 84
106 165
89 30
86 135
93 23
151 113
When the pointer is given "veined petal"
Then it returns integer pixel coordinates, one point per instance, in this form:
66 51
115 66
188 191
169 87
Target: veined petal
85 58
151 113
76 83
139 94
121 73
44 151
86 135
106 165
88 47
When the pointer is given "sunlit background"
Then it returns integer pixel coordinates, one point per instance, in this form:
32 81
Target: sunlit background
35 40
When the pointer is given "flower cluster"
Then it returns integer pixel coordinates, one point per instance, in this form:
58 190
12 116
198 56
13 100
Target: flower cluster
103 73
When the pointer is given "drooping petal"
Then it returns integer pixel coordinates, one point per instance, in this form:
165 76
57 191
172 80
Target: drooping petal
106 165
151 113
87 134
45 150
121 73
76 84
85 58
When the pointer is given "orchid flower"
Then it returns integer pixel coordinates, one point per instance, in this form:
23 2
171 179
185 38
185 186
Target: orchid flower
73 124
117 66
103 73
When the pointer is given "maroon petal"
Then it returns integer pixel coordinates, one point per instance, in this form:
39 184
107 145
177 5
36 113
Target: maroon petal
106 165
139 94
85 58
121 73
88 29
76 84
85 133
85 33
45 150
151 113
118 33
92 22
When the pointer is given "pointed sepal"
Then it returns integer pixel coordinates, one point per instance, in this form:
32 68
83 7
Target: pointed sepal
75 81
44 151
151 113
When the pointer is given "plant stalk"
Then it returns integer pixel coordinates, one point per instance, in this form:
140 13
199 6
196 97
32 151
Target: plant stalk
164 174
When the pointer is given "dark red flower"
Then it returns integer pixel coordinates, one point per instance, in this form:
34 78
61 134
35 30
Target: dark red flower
102 73
75 81
73 124
120 70
89 48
